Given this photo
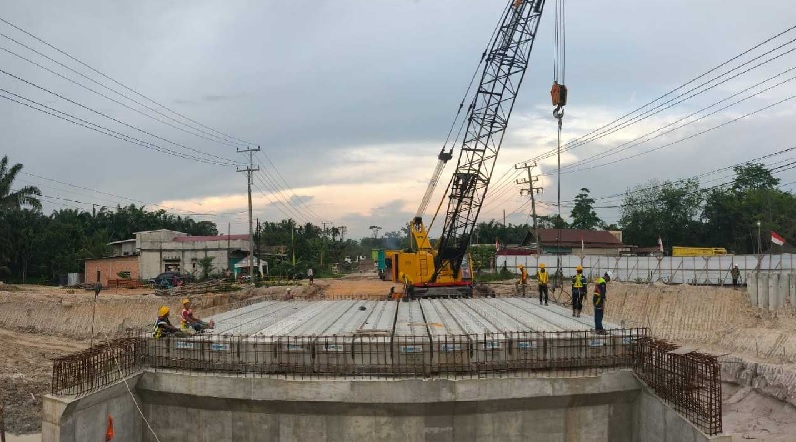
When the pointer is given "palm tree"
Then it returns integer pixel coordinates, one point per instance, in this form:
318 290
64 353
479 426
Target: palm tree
26 196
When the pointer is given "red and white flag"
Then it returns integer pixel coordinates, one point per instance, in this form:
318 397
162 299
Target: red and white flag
776 239
497 245
660 244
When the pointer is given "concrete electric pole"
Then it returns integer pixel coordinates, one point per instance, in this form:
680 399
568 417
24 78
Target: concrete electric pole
532 191
249 171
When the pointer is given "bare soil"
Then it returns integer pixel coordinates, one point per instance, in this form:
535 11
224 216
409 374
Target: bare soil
41 323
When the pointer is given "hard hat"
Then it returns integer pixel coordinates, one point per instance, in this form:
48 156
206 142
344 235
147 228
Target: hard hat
541 266
163 311
579 268
186 301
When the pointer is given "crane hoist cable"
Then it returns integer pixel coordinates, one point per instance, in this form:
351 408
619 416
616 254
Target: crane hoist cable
558 94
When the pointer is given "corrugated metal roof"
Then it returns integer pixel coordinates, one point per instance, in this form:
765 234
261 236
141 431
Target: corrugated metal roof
209 238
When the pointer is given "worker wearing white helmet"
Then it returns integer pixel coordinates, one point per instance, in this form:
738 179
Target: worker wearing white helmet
736 274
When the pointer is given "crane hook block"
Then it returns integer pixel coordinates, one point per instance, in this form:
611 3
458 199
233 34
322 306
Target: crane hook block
559 94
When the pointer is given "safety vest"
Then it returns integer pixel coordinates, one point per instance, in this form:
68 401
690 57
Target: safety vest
599 292
579 281
523 275
542 276
157 330
597 299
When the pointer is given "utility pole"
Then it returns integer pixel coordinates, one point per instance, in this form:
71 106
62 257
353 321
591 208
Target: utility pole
249 171
532 191
257 243
323 246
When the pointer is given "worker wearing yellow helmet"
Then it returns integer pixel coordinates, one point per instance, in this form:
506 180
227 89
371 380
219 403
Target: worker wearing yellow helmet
188 320
522 283
579 288
163 326
542 276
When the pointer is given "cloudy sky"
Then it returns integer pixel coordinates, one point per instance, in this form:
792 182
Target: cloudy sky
351 100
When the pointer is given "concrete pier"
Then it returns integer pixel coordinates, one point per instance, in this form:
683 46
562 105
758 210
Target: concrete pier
179 407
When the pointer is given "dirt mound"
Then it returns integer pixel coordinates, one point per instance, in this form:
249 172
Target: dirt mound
69 314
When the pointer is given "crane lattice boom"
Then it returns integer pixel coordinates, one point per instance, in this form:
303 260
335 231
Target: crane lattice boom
487 119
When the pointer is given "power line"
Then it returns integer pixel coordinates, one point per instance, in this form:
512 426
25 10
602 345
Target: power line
81 85
227 162
502 189
95 127
778 169
734 120
505 179
285 208
581 140
287 186
629 144
120 197
122 85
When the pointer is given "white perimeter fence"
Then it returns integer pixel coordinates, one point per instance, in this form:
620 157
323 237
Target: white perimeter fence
697 270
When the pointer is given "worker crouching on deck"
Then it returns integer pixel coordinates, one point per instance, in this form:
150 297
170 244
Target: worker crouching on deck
163 326
579 287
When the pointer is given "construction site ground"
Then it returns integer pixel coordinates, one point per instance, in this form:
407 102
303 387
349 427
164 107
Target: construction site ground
39 323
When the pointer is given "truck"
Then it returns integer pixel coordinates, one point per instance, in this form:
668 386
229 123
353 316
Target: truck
698 251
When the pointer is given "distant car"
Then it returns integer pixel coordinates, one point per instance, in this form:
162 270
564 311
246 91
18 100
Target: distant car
169 278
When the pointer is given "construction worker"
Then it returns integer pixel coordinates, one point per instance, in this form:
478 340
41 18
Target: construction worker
188 320
163 326
542 276
735 273
523 281
598 300
579 287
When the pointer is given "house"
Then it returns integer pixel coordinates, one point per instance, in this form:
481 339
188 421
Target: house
578 242
151 253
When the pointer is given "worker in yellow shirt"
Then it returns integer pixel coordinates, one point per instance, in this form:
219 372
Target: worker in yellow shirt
542 276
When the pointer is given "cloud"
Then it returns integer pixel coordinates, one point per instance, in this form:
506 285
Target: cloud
352 101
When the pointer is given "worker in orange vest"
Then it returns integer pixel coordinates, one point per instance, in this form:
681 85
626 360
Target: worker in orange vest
523 281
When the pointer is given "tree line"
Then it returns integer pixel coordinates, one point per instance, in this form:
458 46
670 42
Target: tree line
35 247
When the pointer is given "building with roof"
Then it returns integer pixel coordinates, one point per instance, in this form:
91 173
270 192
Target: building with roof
170 251
153 252
576 242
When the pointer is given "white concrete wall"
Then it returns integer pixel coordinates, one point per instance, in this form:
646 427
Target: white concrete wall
771 290
154 254
668 269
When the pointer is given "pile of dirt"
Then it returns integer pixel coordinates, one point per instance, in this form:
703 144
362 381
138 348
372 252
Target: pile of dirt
25 374
61 313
